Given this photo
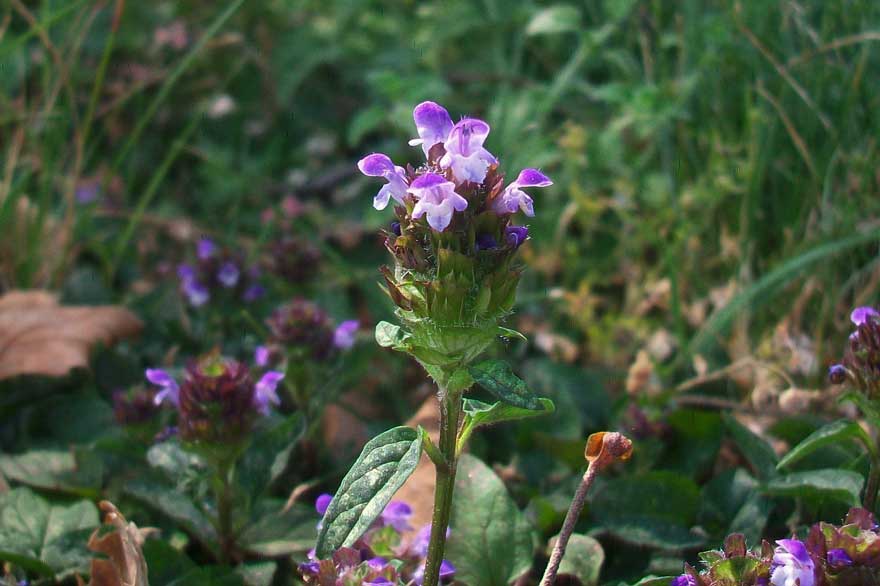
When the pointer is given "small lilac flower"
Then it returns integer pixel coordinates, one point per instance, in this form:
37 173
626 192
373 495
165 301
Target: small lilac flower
379 581
861 315
465 154
513 198
397 515
837 374
261 356
253 293
170 389
196 294
838 558
485 242
432 123
322 502
266 391
419 545
379 165
684 580
87 192
228 274
345 334
377 563
792 564
516 235
312 567
437 198
205 249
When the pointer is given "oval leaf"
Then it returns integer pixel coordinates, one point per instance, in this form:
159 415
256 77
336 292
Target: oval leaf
829 434
478 413
583 559
496 377
383 466
388 335
836 483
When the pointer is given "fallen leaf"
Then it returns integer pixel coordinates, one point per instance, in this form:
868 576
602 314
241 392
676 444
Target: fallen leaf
642 378
39 336
124 564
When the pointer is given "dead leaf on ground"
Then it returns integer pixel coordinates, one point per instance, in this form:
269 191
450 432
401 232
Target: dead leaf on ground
124 564
39 336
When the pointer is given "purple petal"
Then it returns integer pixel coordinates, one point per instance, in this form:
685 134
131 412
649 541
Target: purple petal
684 580
196 294
426 181
322 502
447 570
433 125
205 249
228 275
838 558
254 292
532 178
397 515
861 315
170 389
796 548
516 235
466 137
376 165
379 581
485 242
265 392
837 374
186 272
345 334
377 563
261 356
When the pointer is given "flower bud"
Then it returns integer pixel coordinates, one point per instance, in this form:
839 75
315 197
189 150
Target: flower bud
302 326
216 401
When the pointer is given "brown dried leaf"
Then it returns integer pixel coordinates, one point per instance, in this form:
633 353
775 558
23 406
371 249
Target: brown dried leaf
124 564
39 336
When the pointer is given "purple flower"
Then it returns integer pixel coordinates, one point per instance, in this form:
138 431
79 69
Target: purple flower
447 570
228 274
437 198
516 235
379 165
265 392
87 192
345 333
419 545
513 198
397 515
432 123
792 565
465 154
838 558
322 502
684 580
253 293
485 242
170 389
205 248
195 292
261 356
861 315
379 581
395 227
837 374
377 563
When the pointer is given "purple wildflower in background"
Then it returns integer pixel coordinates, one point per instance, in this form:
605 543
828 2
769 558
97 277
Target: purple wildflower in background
345 334
228 274
261 356
253 292
196 293
436 198
837 374
265 392
322 502
87 192
447 572
861 315
838 558
170 389
513 198
465 154
380 581
379 165
397 515
684 580
792 564
205 248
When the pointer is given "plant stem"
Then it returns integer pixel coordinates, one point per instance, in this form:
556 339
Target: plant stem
450 409
224 514
574 511
873 484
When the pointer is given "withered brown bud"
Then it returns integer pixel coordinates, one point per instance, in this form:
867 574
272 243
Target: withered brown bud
607 447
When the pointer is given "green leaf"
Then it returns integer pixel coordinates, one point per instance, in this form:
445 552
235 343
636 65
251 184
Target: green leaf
832 433
460 380
839 484
45 538
496 377
385 463
267 456
388 335
511 334
560 18
176 506
78 473
583 559
755 449
277 532
478 414
865 405
176 463
491 543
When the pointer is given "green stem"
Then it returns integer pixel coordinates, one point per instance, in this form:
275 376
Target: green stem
450 410
224 514
873 480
